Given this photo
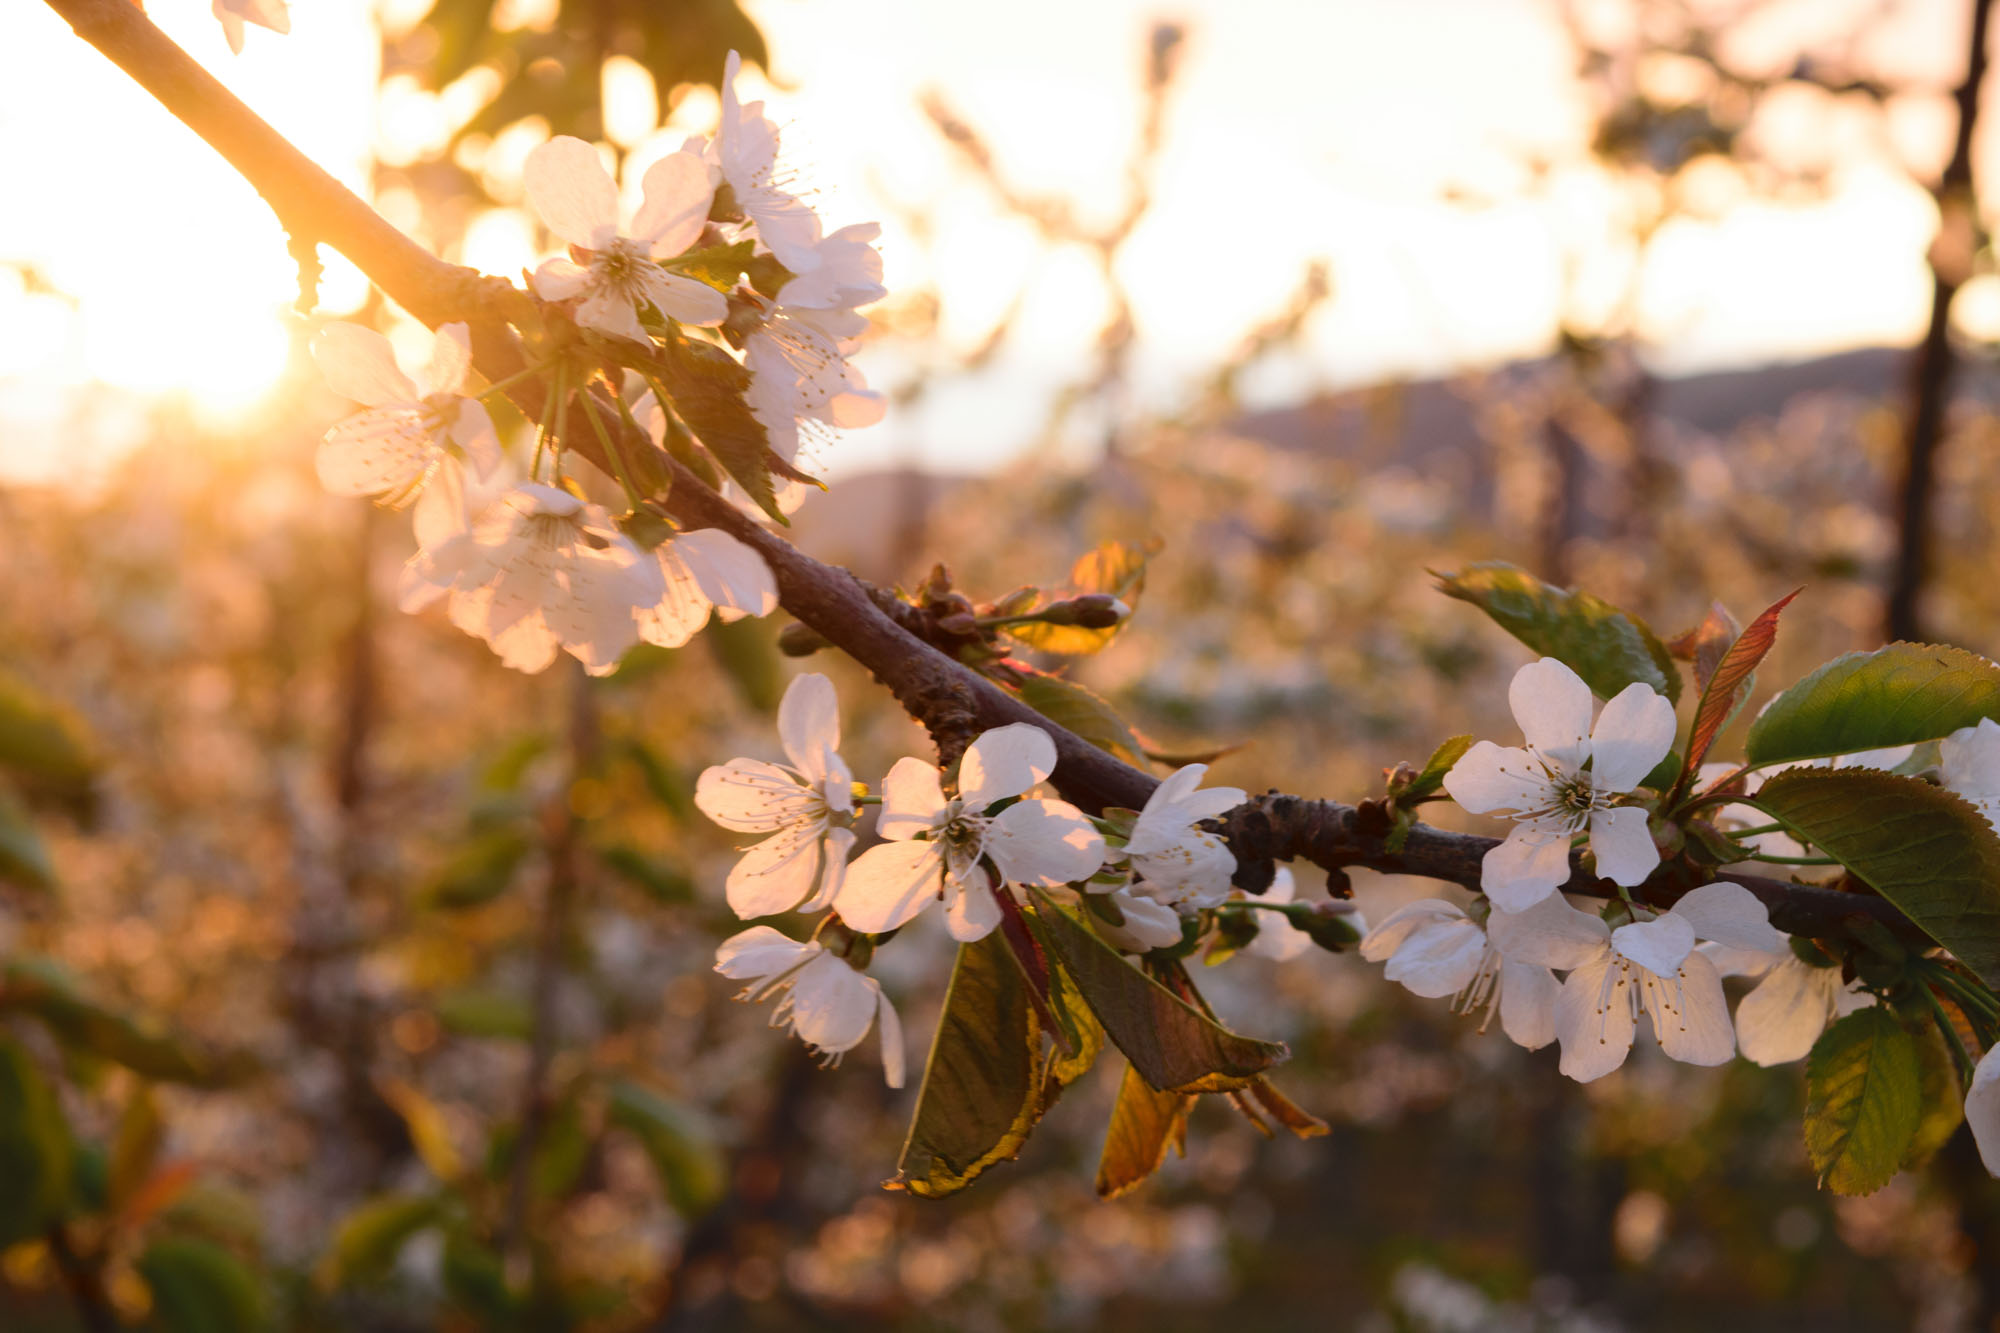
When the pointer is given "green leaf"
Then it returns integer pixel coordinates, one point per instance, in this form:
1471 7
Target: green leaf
1728 684
1070 705
199 1287
476 1012
23 859
476 871
1898 695
983 1087
368 1239
747 650
705 387
35 1149
1144 1124
1926 850
1434 770
36 986
1863 1101
717 265
1115 568
136 1147
662 881
1174 1046
1602 644
44 740
476 1279
680 1142
1943 1102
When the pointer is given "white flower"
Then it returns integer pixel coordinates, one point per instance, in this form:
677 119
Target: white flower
1148 923
272 14
541 570
1650 966
704 570
1969 763
577 200
746 150
1551 792
1277 938
827 1003
1434 949
1779 1021
409 442
1183 863
939 848
795 804
1982 1109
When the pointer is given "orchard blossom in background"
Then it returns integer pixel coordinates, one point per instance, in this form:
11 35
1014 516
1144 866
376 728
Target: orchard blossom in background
826 1001
539 571
1778 1021
745 156
1177 862
1434 949
1650 966
801 864
233 14
577 200
414 437
1551 794
939 847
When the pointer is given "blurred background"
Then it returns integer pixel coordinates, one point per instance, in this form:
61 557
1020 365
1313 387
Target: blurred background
309 907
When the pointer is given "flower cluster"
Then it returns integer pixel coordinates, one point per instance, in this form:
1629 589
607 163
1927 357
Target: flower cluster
720 266
972 846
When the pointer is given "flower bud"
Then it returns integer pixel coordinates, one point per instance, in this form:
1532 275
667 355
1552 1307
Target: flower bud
800 640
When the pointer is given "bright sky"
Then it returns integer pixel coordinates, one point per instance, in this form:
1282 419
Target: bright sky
1302 129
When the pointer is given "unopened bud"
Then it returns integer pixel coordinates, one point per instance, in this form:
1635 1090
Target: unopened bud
959 622
1093 610
800 640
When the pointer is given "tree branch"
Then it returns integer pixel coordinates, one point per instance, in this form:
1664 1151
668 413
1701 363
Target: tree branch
949 698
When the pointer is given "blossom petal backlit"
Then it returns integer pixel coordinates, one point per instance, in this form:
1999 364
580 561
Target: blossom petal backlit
571 192
1695 1030
1044 843
360 364
890 883
1552 705
912 800
1632 735
1003 762
1491 777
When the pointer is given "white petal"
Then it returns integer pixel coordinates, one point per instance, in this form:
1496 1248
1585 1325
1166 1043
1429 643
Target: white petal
1438 959
1198 867
1695 1030
1969 759
571 191
383 449
1552 704
833 872
1277 938
1045 843
1982 1109
1524 869
683 607
1152 925
677 196
1632 735
451 357
1742 962
440 511
359 363
1528 1004
472 431
912 800
1382 942
1551 933
787 225
686 299
832 1005
888 884
731 573
1731 915
1003 762
972 912
1660 945
559 279
1593 1022
891 1029
809 724
759 952
1492 777
612 314
1623 846
776 874
1779 1021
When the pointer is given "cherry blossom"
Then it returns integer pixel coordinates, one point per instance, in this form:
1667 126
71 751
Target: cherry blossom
540 571
1982 1109
1969 764
1644 966
618 276
1566 781
1146 922
746 152
1778 1021
943 848
1183 863
826 1001
1277 938
416 434
801 864
233 14
1434 949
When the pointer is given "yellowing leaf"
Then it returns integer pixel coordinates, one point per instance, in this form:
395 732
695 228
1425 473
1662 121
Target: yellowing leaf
1144 1124
1863 1101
